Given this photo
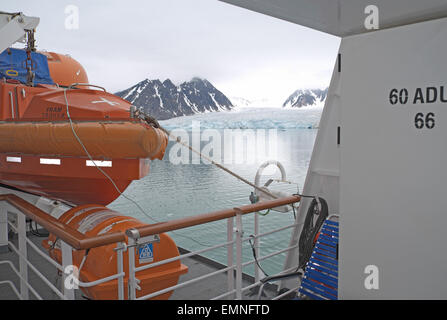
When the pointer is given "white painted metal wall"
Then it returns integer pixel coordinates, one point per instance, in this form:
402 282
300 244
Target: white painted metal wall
387 178
393 175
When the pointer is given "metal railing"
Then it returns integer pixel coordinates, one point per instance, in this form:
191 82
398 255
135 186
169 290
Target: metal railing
71 239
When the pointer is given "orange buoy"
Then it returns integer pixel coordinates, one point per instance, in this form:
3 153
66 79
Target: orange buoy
93 220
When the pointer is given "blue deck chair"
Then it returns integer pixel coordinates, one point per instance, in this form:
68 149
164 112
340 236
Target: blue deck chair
320 279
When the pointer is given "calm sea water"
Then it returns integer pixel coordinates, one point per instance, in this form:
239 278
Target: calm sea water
173 191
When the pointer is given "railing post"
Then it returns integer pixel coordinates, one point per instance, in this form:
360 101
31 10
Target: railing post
21 227
70 280
256 245
133 236
132 295
119 260
3 230
230 254
239 235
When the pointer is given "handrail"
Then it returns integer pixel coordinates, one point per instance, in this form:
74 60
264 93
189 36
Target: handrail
72 238
69 235
209 217
80 242
74 85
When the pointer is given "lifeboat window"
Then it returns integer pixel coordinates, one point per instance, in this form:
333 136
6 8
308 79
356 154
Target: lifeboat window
50 161
90 163
14 159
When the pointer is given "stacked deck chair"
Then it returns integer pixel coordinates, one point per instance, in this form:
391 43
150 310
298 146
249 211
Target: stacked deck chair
320 279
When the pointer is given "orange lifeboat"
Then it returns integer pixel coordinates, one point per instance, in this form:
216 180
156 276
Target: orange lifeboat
53 138
65 70
101 262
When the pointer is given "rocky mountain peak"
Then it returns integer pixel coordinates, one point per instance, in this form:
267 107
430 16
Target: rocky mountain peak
165 100
306 97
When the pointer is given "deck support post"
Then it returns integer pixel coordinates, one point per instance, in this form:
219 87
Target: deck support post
70 274
3 230
133 236
23 267
119 260
239 235
230 255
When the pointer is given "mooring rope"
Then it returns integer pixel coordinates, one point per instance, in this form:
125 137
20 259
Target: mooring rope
234 174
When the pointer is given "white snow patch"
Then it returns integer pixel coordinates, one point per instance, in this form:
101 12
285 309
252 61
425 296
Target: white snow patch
129 93
159 97
212 95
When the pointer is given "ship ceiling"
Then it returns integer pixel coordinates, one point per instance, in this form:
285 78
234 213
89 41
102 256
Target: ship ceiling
346 17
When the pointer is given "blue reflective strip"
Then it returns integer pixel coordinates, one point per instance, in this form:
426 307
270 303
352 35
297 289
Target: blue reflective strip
323 269
324 279
327 248
329 232
333 223
321 289
335 229
328 240
327 243
329 228
324 264
325 253
315 291
309 294
318 249
317 288
325 259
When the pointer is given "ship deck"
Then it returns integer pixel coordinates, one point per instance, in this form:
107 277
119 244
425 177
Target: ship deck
198 265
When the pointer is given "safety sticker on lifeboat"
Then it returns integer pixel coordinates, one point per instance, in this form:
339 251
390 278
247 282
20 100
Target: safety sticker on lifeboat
146 253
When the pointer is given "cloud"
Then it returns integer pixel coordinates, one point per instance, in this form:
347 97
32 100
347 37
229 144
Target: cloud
242 53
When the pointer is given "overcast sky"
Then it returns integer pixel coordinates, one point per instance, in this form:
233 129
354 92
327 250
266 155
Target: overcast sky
243 53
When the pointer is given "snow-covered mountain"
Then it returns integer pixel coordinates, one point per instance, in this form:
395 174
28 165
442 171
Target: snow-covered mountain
306 97
239 102
165 100
242 103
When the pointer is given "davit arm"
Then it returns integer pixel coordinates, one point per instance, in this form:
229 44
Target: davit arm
13 28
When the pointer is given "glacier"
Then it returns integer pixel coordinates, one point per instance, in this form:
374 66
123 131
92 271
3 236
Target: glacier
251 118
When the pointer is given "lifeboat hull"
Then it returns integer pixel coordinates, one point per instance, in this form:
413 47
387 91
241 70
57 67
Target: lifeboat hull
74 180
